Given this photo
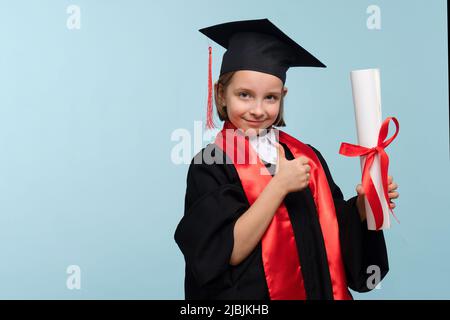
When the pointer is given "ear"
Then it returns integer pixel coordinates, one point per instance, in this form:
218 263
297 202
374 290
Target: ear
285 91
218 88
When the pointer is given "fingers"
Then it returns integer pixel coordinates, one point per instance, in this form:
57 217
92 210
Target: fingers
392 186
307 168
393 195
303 164
303 160
307 178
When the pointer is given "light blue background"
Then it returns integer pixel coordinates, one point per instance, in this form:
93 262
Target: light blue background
86 118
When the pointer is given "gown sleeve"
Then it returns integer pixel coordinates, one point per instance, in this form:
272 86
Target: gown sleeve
361 248
213 203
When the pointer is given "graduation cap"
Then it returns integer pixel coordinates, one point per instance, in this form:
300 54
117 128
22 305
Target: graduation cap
256 45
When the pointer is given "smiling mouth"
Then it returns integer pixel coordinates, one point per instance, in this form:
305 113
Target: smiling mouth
255 121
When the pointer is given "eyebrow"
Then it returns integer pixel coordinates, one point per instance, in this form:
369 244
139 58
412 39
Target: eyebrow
273 92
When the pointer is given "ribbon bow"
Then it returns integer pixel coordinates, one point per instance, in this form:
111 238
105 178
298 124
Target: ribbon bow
352 150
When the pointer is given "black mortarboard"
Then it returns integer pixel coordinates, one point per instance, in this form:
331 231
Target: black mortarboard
257 45
260 46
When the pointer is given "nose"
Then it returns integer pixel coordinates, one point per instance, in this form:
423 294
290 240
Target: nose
257 111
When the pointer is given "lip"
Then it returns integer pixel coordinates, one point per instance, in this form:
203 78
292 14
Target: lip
254 121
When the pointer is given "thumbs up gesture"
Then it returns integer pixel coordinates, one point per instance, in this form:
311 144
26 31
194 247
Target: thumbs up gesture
292 175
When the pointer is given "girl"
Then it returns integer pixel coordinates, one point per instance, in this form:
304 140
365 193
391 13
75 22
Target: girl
276 227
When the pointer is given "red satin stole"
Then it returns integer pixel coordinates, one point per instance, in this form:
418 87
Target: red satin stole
281 262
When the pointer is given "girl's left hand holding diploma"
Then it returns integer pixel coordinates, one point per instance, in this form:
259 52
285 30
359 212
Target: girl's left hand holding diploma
392 193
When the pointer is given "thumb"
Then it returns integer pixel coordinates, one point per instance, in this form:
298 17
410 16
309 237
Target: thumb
360 189
281 153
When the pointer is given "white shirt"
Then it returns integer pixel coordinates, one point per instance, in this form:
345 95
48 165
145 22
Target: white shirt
265 146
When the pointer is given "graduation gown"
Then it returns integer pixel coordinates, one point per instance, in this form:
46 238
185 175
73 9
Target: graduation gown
214 201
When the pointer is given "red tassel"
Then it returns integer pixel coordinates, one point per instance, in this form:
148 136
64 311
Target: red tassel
209 114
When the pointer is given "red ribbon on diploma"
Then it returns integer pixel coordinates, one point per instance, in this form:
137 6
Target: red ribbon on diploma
352 150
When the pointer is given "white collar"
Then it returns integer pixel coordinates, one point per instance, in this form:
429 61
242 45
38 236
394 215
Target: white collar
265 146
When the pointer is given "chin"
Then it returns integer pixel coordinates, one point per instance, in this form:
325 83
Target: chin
255 128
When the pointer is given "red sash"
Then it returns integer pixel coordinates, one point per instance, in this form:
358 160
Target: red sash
281 262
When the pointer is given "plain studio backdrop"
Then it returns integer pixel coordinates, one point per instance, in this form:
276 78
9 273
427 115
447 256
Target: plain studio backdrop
92 91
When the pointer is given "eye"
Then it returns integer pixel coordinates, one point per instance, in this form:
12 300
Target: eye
244 95
272 97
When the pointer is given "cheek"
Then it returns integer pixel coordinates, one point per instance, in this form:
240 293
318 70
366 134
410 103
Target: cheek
236 107
273 110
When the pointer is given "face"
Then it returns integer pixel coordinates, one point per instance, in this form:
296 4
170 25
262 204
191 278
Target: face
253 99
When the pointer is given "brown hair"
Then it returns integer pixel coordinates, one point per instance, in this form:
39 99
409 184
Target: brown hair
224 80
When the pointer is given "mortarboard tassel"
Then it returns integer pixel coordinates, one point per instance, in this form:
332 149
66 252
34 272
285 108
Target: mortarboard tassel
209 114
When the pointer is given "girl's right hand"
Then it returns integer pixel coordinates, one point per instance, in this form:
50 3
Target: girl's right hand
292 175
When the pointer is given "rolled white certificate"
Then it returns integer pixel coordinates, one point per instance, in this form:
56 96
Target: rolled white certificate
367 102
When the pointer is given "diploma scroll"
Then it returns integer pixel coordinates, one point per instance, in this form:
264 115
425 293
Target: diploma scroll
371 133
367 103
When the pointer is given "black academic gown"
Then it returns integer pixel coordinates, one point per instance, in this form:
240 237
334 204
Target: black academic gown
214 201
